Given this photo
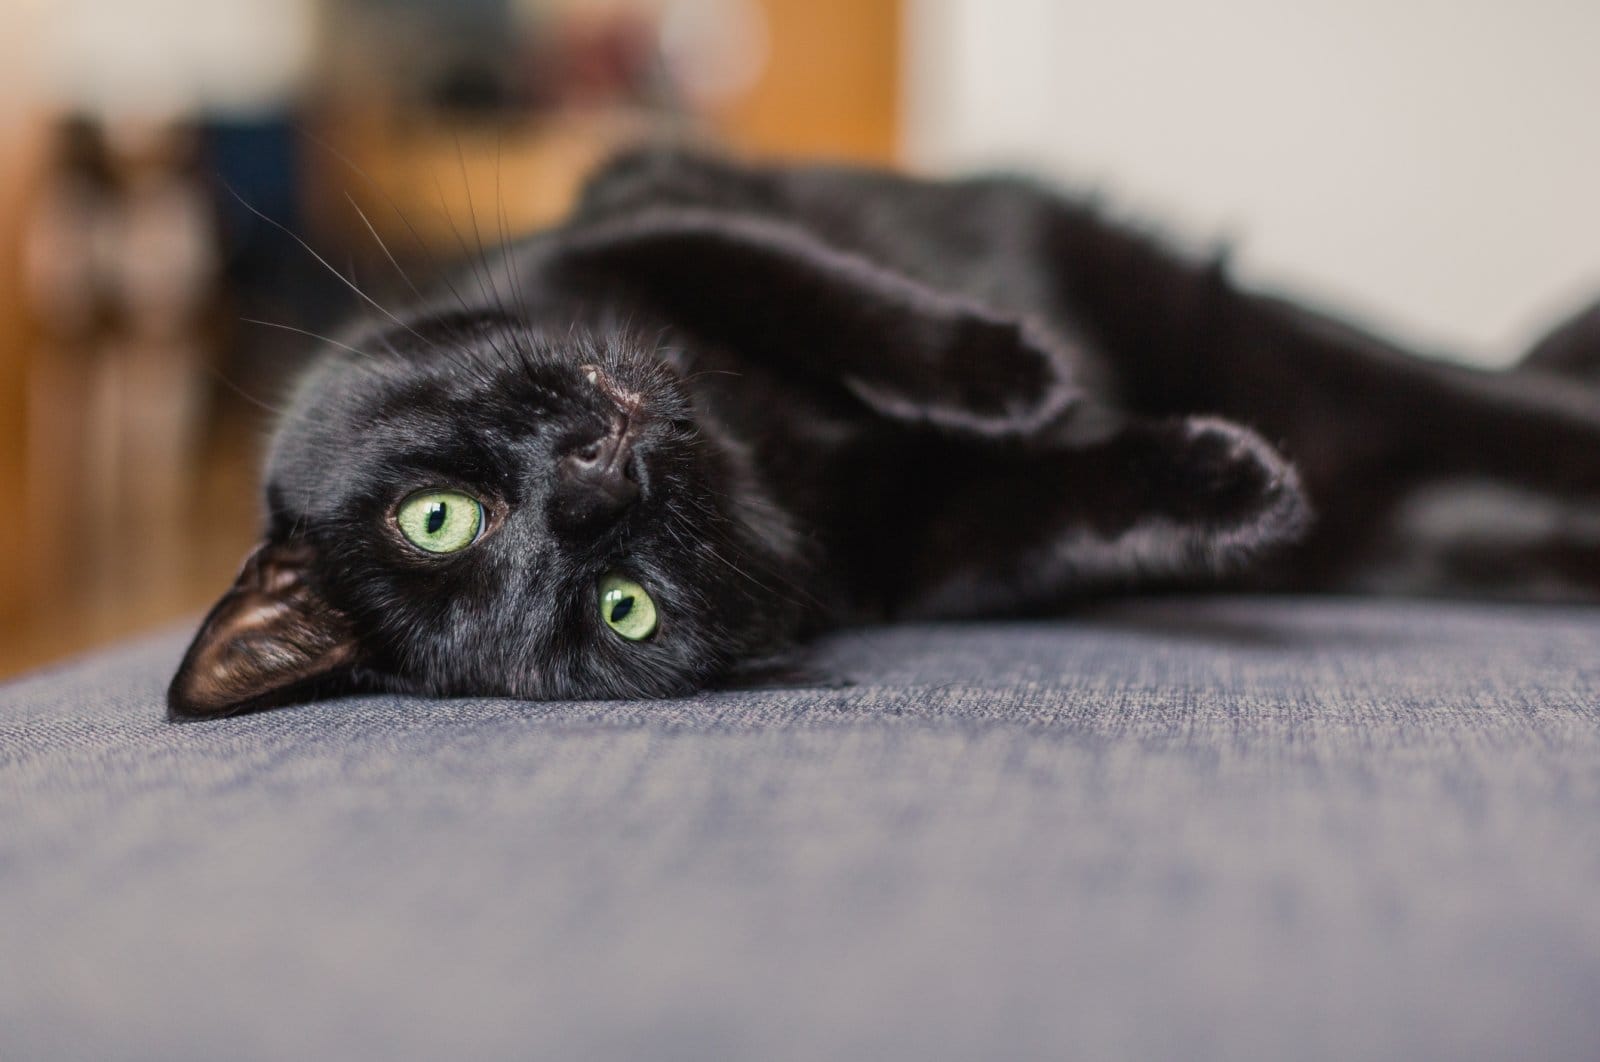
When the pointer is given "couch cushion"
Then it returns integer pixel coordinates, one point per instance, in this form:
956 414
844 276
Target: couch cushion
1225 828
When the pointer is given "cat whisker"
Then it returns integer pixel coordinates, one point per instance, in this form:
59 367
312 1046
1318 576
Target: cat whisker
422 245
309 335
475 265
482 261
712 527
312 251
222 378
382 245
486 279
503 224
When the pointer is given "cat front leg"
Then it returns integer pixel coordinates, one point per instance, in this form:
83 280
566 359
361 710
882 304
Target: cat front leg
1156 503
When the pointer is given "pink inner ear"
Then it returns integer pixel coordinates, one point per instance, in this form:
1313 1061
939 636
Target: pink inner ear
270 633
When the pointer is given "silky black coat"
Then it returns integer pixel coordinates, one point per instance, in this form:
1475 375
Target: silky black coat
837 395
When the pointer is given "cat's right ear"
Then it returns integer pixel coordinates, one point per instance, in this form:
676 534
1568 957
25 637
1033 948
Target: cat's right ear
271 640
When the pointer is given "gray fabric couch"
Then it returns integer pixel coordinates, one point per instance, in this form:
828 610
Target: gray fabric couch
1186 829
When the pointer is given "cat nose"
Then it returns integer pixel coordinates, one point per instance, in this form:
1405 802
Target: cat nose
597 481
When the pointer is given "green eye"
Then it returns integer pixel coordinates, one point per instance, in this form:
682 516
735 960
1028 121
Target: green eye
440 521
626 608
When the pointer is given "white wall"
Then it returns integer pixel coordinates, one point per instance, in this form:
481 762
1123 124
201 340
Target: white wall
1430 166
153 58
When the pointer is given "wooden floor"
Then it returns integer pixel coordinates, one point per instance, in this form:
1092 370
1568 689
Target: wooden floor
206 546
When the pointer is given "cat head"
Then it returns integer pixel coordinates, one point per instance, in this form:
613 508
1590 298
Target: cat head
472 504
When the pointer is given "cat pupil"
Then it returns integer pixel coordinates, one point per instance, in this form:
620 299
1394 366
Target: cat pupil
436 517
620 610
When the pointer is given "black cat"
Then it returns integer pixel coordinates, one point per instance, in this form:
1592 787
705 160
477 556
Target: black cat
723 407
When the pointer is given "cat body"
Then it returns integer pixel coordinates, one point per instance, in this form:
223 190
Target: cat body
723 407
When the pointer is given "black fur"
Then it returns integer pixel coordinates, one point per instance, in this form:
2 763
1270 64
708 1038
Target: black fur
848 396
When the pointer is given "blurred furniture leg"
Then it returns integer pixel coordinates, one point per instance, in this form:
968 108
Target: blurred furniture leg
21 156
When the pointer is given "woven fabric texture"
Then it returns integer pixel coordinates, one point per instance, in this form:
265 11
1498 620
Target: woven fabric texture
1187 829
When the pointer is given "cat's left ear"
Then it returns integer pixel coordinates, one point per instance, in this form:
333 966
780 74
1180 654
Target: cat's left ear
778 293
271 640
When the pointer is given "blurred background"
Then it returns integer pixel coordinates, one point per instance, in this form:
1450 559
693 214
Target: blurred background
172 170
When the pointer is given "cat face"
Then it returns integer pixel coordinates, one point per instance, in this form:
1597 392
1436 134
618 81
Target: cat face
478 506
